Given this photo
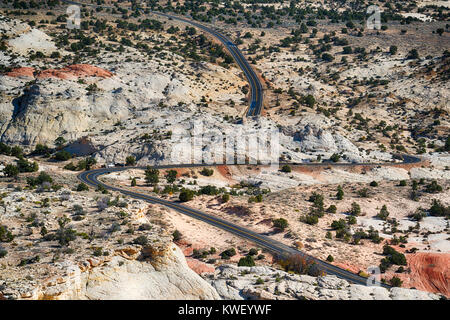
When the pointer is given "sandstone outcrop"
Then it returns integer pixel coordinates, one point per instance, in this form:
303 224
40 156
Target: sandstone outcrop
232 282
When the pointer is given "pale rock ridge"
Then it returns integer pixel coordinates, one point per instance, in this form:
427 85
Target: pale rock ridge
232 282
149 274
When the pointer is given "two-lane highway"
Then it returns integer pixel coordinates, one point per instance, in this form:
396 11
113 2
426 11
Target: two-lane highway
276 247
256 88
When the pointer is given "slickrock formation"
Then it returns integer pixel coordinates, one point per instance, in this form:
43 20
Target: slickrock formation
160 273
239 283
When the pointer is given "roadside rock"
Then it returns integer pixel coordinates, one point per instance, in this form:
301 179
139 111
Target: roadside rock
232 282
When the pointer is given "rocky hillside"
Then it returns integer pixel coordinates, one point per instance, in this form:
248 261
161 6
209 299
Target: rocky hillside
239 283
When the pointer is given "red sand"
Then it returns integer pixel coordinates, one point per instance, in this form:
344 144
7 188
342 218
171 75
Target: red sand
430 272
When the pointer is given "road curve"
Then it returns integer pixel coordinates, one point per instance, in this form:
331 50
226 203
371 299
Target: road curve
276 247
255 108
256 88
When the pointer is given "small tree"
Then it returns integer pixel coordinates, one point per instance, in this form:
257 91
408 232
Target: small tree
355 210
384 213
246 261
82 187
171 176
130 161
286 168
340 193
186 195
152 176
176 235
11 171
280 224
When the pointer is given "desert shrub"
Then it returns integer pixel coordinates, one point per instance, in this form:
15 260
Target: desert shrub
176 235
227 254
286 168
335 157
5 234
3 253
82 187
209 190
130 161
332 209
64 235
62 155
384 213
339 224
433 187
374 184
151 176
402 183
355 209
330 258
395 282
186 195
310 219
437 209
225 197
171 176
363 193
340 193
280 224
300 264
207 172
141 240
246 261
11 171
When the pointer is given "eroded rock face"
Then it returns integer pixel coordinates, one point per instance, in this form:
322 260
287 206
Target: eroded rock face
160 275
232 282
314 138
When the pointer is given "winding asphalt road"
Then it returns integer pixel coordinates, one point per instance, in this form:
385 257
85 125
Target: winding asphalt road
255 108
276 247
256 88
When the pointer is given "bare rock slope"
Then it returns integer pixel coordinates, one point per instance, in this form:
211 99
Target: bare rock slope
239 283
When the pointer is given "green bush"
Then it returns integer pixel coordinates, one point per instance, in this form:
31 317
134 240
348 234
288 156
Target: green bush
141 240
186 195
330 258
246 261
286 168
355 210
176 235
82 187
62 155
227 254
5 234
207 172
280 224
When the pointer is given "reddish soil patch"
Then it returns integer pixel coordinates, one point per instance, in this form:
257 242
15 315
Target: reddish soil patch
347 266
224 171
70 72
21 72
199 267
430 272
